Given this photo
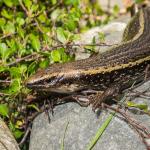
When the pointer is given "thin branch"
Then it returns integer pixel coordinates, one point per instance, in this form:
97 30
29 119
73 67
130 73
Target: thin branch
26 58
4 94
8 35
85 44
24 8
54 7
142 130
25 136
38 26
36 55
5 81
78 45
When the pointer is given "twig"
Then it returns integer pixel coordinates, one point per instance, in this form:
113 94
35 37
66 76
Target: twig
142 131
81 45
3 94
38 26
36 55
25 136
138 93
54 7
26 58
24 8
77 45
5 81
8 35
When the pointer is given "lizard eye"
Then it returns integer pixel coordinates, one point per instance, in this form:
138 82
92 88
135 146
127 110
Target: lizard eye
55 80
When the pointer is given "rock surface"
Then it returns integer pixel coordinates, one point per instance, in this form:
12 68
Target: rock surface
83 124
7 141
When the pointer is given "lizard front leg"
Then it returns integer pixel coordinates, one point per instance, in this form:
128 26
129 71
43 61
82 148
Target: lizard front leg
97 99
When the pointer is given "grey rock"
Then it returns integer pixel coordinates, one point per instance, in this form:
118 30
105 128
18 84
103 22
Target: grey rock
82 126
7 141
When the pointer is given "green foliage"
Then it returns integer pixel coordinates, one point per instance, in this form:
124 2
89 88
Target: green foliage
16 132
101 37
59 55
35 42
61 35
139 1
116 9
4 110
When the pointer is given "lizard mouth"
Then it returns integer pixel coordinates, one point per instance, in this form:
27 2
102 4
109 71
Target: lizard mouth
41 87
35 86
34 83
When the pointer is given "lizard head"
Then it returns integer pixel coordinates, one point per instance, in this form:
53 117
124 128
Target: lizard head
55 79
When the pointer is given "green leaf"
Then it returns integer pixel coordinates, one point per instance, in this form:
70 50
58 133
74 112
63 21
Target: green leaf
72 2
17 72
44 63
54 2
32 68
35 42
34 8
64 56
2 22
15 86
101 36
140 106
4 110
139 1
70 24
116 9
34 107
6 14
4 51
8 3
3 69
61 35
55 14
23 69
55 55
42 18
20 21
17 133
21 32
28 3
11 126
9 28
12 45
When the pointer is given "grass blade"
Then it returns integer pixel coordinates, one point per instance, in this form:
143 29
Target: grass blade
63 139
100 131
